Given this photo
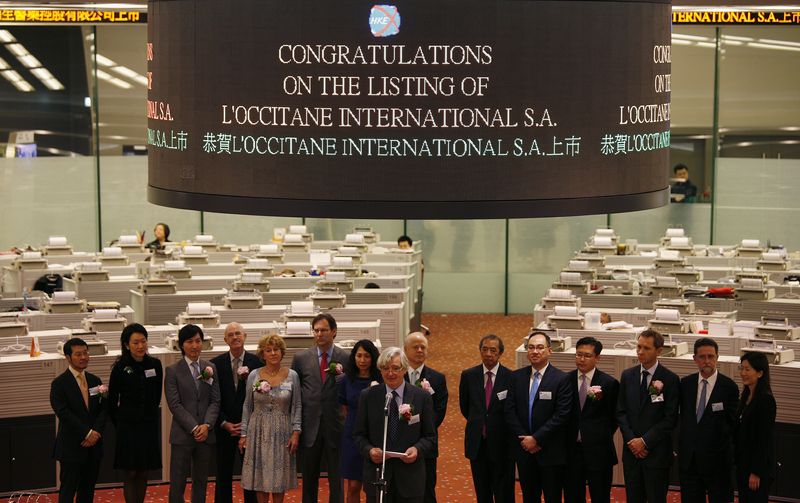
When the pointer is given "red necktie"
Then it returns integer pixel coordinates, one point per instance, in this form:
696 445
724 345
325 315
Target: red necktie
487 390
323 366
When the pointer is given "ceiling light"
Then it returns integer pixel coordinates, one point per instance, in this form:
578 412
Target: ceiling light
779 42
17 50
47 79
6 36
17 80
29 61
706 44
104 61
127 72
689 37
733 37
3 64
681 42
773 46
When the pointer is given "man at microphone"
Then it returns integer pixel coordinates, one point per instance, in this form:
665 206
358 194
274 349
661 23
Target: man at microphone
410 432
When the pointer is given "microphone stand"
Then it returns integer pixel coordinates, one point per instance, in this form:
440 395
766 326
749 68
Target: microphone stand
381 485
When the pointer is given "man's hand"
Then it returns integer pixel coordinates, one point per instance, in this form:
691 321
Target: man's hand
376 455
638 448
754 482
91 440
529 444
201 433
242 444
234 429
411 455
294 440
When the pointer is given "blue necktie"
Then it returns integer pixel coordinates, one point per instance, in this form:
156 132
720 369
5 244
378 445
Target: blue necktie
701 405
643 386
532 397
394 421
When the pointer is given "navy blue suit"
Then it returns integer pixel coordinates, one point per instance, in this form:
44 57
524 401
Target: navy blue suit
79 465
652 418
540 472
230 410
592 459
489 457
705 450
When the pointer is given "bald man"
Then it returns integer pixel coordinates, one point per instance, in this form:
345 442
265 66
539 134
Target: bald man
233 367
421 375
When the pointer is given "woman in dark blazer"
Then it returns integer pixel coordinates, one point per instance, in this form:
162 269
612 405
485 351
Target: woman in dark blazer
134 393
755 435
361 372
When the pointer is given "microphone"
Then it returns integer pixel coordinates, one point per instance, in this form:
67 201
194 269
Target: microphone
388 401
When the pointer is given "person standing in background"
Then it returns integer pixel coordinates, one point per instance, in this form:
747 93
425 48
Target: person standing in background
134 405
233 368
755 433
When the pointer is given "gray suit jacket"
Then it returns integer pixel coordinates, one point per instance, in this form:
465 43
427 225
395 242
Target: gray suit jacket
321 409
190 405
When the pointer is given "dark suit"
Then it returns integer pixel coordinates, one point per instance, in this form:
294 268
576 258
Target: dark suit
191 405
592 459
230 410
639 416
440 396
755 447
705 449
489 457
79 465
323 422
405 482
540 472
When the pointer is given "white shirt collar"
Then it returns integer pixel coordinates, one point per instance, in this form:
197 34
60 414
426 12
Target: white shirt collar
189 362
589 376
650 371
712 380
541 372
493 370
241 357
399 389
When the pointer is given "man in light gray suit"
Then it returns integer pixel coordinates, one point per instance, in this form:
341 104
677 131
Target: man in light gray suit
322 415
192 392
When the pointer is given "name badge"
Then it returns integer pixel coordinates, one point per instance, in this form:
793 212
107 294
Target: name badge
94 391
287 386
150 373
657 398
716 407
414 419
501 395
545 395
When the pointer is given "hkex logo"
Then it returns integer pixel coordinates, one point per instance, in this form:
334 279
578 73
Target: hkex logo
384 20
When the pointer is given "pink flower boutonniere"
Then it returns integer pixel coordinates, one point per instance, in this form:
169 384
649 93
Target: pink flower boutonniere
595 393
100 389
243 372
426 386
261 386
206 375
406 411
656 387
335 369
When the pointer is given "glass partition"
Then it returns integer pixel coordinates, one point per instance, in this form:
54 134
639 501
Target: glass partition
337 228
464 264
537 250
45 197
125 210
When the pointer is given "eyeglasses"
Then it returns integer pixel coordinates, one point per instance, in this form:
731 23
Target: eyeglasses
539 348
392 368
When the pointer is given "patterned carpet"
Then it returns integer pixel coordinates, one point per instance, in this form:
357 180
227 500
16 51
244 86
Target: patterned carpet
453 347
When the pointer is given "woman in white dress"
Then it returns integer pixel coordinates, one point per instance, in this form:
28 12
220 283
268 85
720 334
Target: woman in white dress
271 424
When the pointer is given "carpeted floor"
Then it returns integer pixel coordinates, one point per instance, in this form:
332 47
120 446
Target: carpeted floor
453 347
